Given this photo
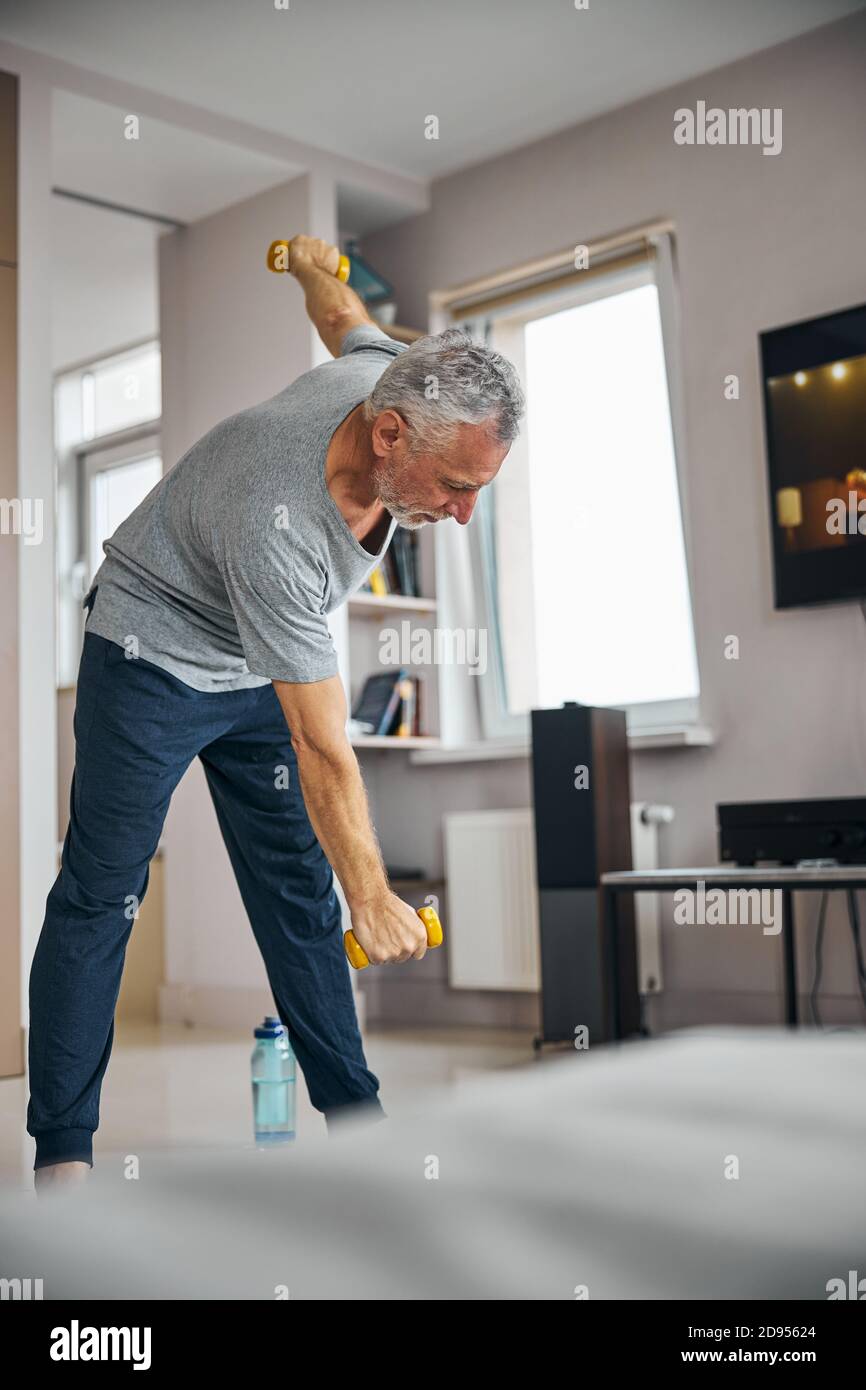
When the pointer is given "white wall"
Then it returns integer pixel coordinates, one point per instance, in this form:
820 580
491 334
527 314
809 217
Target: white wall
103 287
36 594
762 241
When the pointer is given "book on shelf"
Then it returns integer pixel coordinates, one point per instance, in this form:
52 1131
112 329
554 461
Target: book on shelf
376 583
398 573
389 705
406 690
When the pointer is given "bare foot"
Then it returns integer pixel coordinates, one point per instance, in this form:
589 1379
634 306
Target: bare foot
59 1177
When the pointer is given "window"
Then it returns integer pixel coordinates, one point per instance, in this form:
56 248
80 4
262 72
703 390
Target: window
116 483
578 545
104 397
108 460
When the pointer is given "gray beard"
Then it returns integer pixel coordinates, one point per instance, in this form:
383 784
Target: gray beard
406 523
388 483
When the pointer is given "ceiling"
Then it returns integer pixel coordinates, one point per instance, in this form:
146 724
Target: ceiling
361 79
168 171
358 79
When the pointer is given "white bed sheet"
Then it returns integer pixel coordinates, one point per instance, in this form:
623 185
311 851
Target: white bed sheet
604 1170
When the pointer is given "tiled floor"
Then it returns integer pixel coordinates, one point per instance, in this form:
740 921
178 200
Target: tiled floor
170 1086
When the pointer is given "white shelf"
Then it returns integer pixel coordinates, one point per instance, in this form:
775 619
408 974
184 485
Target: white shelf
679 736
367 619
369 605
491 751
391 742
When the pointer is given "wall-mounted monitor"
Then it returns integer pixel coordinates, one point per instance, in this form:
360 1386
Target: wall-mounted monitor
815 419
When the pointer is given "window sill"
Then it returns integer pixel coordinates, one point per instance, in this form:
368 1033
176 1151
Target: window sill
643 740
672 736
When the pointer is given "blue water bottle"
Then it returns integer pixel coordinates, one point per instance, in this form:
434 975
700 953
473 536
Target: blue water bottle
273 1072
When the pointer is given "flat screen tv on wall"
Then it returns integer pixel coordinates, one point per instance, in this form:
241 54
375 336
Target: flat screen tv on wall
815 419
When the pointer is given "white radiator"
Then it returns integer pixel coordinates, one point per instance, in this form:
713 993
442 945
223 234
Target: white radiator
493 899
645 821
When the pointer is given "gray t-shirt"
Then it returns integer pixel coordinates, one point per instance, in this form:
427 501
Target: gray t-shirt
226 571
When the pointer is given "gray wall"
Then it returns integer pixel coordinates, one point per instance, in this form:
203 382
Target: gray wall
762 241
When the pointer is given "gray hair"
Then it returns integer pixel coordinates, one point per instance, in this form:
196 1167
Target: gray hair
447 380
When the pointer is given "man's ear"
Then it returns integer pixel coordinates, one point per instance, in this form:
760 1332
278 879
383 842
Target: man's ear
388 428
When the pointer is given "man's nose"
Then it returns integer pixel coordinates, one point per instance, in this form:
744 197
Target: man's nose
462 510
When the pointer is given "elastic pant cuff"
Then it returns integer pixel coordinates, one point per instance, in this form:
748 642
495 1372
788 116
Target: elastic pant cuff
365 1111
64 1146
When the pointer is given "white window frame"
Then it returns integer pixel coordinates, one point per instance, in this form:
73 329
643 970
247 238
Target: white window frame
73 460
497 722
113 451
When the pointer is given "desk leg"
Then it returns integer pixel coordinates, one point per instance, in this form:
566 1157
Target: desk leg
790 958
610 974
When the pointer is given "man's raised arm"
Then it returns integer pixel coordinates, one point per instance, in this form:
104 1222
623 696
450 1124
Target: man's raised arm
333 307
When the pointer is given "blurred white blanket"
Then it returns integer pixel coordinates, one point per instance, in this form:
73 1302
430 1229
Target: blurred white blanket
604 1170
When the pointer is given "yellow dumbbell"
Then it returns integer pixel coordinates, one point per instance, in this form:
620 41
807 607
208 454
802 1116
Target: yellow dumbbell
280 260
430 918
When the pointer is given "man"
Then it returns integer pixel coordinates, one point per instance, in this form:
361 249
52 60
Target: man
207 636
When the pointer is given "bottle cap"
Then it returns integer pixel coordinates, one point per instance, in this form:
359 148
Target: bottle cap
271 1028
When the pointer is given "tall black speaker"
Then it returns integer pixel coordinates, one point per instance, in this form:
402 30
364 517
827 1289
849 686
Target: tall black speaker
582 798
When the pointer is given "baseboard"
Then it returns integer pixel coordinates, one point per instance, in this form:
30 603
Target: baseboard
211 1006
674 1009
433 1003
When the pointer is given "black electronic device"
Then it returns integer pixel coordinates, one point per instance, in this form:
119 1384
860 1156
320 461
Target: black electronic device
815 417
787 832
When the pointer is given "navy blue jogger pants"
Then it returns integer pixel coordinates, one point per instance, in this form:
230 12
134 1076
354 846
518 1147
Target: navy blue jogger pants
137 729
